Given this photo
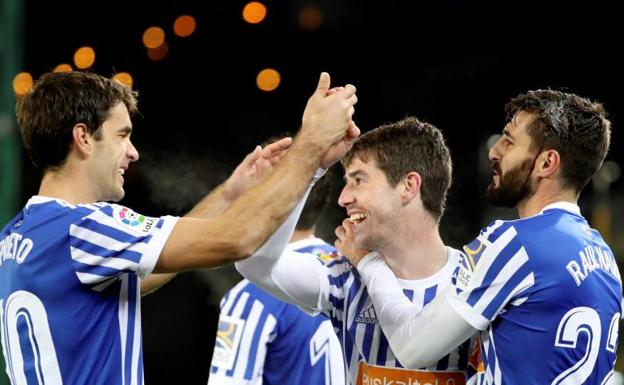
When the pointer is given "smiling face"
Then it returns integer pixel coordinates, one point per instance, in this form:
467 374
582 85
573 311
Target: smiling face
112 154
373 205
512 160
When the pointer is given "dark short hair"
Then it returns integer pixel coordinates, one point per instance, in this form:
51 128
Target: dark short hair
316 204
59 101
405 146
577 128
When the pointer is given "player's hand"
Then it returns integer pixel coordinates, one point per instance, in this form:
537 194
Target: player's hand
256 165
345 243
328 114
338 150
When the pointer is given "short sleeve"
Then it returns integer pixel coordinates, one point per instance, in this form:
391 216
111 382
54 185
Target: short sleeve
115 240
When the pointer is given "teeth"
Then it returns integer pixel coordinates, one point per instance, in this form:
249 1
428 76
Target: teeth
357 217
121 171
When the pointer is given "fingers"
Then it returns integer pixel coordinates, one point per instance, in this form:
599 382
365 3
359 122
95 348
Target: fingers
276 157
334 90
253 156
323 84
353 132
340 232
275 147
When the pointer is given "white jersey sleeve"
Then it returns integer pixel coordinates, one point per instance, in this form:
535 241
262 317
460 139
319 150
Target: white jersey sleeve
404 323
115 240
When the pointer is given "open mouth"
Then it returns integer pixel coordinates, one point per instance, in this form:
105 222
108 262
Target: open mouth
357 217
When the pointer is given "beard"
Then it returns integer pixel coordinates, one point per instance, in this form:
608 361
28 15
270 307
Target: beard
513 186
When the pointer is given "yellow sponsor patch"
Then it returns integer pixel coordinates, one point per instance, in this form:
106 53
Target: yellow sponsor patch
227 342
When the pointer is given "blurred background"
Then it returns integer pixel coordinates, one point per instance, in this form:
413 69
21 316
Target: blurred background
216 78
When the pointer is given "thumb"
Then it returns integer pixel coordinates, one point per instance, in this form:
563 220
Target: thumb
323 84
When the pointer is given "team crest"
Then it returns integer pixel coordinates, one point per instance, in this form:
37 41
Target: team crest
133 220
228 340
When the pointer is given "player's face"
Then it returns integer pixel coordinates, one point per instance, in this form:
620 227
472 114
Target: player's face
112 154
512 163
371 204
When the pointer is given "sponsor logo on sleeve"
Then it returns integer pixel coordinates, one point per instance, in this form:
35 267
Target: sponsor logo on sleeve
325 257
228 340
132 220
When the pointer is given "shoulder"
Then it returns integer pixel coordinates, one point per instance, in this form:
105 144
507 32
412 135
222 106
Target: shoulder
323 251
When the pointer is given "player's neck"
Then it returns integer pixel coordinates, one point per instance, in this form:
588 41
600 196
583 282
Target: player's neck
418 253
302 234
66 185
545 195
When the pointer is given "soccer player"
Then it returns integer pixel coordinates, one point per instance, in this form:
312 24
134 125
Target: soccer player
263 340
543 290
397 177
70 263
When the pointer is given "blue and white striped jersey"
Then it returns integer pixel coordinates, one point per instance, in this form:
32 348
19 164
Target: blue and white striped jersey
547 294
263 340
368 356
69 291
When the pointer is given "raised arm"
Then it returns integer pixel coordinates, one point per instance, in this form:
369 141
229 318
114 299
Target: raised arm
291 276
248 222
247 174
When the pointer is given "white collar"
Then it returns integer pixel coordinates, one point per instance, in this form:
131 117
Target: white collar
567 206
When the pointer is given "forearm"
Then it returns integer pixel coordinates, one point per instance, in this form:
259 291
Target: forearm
285 274
266 206
247 223
413 335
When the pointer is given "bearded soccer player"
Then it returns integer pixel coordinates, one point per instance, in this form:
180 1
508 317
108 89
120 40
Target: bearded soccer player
544 291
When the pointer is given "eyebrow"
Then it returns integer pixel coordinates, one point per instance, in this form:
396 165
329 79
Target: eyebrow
353 174
507 133
125 130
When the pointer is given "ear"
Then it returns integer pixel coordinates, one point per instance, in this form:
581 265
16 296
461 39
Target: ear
548 164
82 139
411 187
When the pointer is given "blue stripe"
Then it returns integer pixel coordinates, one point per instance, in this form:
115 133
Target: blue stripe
491 363
500 230
132 287
463 351
235 301
507 288
94 249
430 293
112 232
349 345
251 360
341 260
102 271
382 354
336 302
369 330
318 247
409 294
443 363
243 316
340 280
499 262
